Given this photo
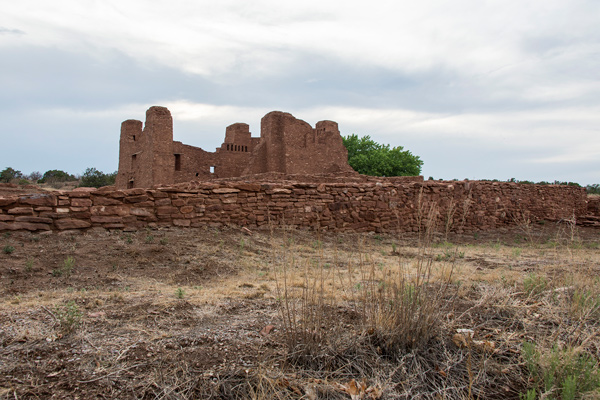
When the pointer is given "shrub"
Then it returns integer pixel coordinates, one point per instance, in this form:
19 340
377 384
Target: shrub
68 316
569 371
8 249
9 174
55 176
66 269
35 176
593 189
94 178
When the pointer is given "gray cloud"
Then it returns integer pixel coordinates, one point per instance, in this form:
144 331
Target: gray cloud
8 31
501 91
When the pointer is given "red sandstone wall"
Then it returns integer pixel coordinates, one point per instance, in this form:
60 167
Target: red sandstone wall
291 146
372 206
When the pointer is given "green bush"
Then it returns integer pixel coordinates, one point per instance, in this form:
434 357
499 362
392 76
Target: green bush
94 178
66 269
8 174
371 158
593 189
55 175
8 249
569 371
68 316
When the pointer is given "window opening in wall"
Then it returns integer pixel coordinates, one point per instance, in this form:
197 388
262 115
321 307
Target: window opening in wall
130 184
245 148
134 138
227 147
196 174
177 162
133 161
212 169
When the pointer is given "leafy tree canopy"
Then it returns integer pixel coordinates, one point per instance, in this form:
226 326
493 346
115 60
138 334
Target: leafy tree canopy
371 158
8 174
94 178
56 175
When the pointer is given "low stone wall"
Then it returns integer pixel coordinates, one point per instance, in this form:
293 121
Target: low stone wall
382 206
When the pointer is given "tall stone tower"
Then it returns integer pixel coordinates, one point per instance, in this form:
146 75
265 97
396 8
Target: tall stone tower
146 156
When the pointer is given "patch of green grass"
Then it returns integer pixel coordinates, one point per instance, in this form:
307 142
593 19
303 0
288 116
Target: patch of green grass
180 293
534 284
8 249
585 304
66 269
569 371
516 252
68 316
29 265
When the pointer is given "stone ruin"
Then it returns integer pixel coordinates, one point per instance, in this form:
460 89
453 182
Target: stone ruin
292 175
149 156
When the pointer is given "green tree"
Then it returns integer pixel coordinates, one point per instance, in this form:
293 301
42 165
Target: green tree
593 189
55 175
94 178
8 174
371 158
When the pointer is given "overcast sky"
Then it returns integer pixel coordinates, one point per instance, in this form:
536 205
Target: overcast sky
477 89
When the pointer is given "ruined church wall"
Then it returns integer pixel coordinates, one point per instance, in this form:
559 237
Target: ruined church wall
291 146
374 206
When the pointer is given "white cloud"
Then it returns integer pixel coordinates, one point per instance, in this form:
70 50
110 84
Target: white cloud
493 76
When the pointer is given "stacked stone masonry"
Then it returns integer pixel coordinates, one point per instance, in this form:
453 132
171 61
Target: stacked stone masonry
371 205
148 155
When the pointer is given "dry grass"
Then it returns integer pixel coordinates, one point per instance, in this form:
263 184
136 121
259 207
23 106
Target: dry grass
380 311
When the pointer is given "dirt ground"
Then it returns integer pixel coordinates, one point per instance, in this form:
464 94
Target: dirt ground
197 313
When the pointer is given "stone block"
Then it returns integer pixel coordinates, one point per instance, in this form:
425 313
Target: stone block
247 187
136 199
157 194
162 202
167 210
141 212
71 223
225 190
39 200
97 219
7 201
182 222
109 210
134 192
79 194
21 211
105 201
39 220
